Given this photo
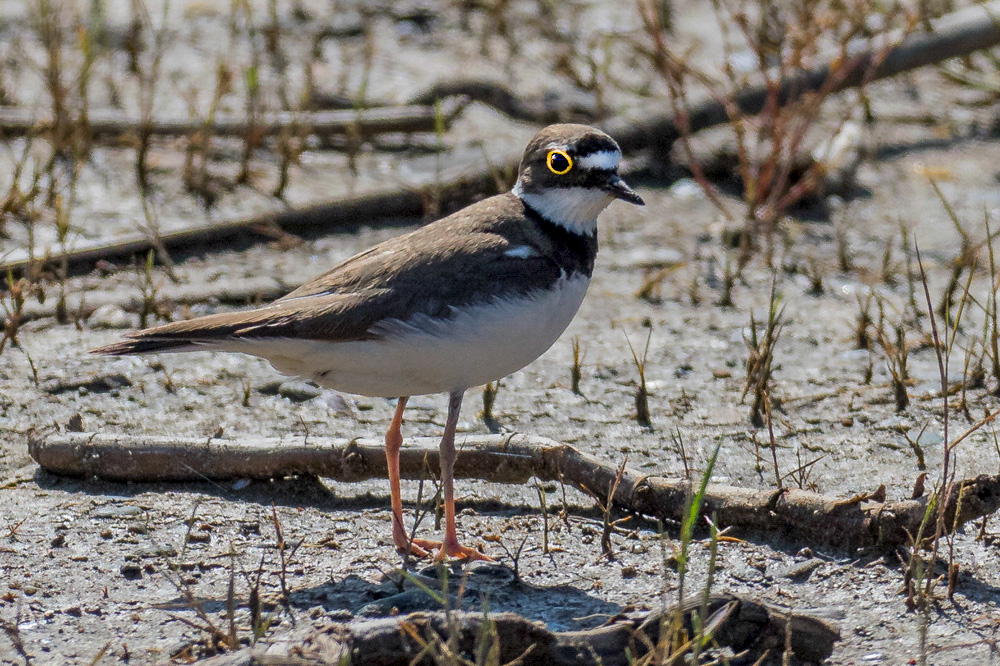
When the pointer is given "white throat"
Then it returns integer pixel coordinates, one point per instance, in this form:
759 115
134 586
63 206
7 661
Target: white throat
574 208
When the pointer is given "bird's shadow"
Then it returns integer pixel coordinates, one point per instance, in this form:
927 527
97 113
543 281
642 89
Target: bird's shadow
476 587
491 586
561 607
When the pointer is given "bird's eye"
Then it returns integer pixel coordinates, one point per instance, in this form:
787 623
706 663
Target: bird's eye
559 162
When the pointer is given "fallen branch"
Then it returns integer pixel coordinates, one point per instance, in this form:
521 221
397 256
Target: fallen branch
957 34
82 304
362 123
538 109
744 625
551 107
343 213
805 516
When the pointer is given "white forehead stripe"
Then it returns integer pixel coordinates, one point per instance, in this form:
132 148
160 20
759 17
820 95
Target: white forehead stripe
605 159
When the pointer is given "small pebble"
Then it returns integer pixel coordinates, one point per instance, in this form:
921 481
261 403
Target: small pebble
249 526
75 423
131 570
685 188
163 550
746 574
338 404
651 257
199 536
299 391
86 385
116 511
269 388
802 570
110 316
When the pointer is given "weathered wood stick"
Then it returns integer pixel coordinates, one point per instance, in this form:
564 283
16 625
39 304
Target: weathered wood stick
232 292
385 206
808 517
541 110
361 123
744 625
957 34
551 107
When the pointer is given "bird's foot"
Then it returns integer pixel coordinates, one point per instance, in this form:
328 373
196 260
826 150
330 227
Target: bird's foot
442 550
419 548
460 552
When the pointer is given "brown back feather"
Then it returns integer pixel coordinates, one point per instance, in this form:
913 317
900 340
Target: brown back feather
449 263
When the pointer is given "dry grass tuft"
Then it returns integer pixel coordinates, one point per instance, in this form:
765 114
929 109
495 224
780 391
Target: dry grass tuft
760 343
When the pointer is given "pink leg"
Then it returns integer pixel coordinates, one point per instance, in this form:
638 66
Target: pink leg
393 441
451 547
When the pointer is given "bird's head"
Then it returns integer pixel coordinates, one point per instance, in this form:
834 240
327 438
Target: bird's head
569 174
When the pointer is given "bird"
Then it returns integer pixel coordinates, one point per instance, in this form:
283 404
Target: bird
457 303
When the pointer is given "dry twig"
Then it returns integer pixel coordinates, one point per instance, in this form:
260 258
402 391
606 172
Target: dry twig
363 123
806 516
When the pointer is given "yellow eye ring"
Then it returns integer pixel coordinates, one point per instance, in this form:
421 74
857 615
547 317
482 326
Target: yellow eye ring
559 162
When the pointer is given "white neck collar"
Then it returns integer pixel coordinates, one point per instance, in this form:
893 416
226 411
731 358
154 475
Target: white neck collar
573 208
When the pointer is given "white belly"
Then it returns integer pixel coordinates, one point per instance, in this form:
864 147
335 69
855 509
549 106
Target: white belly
477 345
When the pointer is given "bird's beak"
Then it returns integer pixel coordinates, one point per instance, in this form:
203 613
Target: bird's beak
619 189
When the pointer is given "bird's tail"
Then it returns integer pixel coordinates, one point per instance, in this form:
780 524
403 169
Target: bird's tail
202 333
138 344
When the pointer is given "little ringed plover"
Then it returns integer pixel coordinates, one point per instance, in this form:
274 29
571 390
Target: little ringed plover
460 302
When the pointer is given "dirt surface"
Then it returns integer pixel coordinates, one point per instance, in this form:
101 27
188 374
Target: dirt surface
87 565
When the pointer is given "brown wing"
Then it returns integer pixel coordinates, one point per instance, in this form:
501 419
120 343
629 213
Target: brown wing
453 262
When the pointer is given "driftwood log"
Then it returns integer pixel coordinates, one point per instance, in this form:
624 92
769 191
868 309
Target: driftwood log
361 123
807 517
386 205
539 109
744 625
81 304
954 35
551 107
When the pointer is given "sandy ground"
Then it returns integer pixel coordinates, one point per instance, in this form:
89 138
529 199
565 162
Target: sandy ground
86 564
